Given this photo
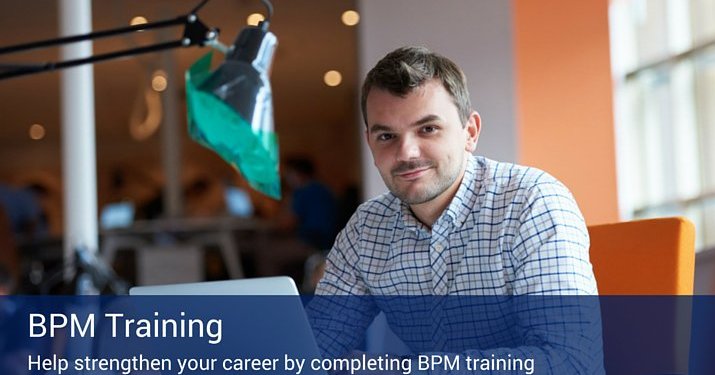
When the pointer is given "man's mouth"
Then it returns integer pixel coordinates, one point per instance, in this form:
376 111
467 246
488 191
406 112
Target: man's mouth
413 174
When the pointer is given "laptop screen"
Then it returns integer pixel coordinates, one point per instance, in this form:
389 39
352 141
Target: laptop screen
238 202
117 215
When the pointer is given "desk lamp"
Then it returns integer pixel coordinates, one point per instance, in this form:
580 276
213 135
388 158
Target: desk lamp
230 110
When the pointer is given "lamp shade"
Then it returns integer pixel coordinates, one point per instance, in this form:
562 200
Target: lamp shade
230 110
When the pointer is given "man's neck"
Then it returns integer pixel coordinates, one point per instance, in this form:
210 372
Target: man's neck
427 213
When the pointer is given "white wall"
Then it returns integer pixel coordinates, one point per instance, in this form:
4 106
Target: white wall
476 34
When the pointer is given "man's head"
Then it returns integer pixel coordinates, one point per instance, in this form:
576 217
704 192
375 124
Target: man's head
407 68
420 126
299 171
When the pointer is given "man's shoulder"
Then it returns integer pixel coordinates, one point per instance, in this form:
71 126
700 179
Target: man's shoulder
529 192
384 205
505 176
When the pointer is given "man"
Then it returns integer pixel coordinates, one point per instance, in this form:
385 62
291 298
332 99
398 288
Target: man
452 224
23 210
313 206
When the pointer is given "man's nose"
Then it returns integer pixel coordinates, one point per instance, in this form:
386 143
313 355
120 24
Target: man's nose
409 148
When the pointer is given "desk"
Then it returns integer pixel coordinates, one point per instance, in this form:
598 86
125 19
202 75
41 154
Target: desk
200 232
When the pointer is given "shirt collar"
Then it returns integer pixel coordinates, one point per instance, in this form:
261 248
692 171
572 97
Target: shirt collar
463 202
407 218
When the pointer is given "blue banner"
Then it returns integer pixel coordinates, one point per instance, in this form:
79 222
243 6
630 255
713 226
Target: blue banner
338 335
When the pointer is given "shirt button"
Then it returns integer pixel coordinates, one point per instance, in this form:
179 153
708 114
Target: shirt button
439 247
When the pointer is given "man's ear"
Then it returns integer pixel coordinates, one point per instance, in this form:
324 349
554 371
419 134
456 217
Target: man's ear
471 130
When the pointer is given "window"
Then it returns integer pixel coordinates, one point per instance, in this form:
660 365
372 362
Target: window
663 58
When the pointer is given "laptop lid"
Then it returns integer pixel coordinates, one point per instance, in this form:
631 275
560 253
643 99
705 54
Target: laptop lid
262 286
117 215
264 323
238 202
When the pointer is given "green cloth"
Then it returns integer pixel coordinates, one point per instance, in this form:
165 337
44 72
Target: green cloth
218 127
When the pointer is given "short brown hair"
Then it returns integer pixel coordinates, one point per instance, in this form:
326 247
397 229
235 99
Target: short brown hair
407 68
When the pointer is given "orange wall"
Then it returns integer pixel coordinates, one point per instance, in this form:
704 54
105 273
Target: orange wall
564 98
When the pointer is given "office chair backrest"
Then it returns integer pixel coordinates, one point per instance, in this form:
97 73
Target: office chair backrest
654 257
644 257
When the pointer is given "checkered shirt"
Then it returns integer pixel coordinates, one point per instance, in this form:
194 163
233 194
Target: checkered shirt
512 236
509 230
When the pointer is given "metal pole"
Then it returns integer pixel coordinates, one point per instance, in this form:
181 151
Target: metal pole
78 135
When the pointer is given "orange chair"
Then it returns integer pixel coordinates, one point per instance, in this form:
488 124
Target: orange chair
644 257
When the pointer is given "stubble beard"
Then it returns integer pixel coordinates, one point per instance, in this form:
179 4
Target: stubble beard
431 189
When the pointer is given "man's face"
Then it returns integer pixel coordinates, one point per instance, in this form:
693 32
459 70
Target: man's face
419 142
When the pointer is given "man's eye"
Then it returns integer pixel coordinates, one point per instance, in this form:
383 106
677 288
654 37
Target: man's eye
384 137
429 129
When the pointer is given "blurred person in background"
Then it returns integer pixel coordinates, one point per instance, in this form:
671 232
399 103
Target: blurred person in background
313 207
310 212
23 211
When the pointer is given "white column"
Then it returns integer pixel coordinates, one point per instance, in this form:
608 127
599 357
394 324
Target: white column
78 139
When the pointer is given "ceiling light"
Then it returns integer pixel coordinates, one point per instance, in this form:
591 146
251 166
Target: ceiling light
138 20
37 132
254 19
159 81
350 17
332 78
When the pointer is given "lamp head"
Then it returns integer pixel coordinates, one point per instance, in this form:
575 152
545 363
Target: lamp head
242 80
231 109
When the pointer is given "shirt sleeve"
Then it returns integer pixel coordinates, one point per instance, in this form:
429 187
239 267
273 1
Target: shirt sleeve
342 308
558 335
341 274
550 248
556 312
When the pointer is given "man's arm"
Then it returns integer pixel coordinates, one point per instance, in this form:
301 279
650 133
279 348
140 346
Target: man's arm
342 308
550 249
555 307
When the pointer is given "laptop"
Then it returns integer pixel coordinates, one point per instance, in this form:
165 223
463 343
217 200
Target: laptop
262 286
269 306
117 215
238 202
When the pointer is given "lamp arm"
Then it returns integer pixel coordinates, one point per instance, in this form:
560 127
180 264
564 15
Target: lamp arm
269 9
195 33
94 35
